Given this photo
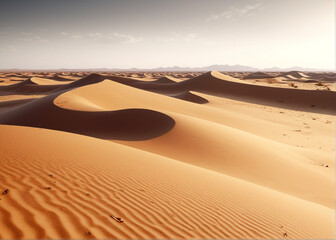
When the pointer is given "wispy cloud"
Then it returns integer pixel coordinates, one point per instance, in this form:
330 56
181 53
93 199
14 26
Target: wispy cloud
176 37
235 12
26 33
104 37
186 38
74 35
127 38
9 48
32 37
28 37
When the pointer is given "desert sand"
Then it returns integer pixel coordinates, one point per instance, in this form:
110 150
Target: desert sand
167 155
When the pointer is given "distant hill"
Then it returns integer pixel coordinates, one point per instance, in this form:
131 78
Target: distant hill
223 68
220 68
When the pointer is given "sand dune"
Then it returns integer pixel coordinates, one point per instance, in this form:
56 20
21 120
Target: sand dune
64 78
166 80
262 162
156 156
146 85
219 84
74 187
190 97
45 81
88 110
33 85
10 104
119 124
257 75
294 74
90 79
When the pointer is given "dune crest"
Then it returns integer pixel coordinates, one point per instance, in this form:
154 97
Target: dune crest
127 124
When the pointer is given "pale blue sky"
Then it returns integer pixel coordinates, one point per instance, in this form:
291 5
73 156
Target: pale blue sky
53 34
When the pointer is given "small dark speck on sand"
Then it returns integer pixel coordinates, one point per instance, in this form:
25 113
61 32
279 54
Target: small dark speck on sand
5 192
116 219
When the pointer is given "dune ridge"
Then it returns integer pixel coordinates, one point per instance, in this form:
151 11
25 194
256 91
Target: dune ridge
81 111
219 84
33 85
117 124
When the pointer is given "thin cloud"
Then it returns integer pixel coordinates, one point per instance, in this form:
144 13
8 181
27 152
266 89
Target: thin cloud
9 48
127 38
32 38
26 33
25 39
235 12
76 36
105 38
176 37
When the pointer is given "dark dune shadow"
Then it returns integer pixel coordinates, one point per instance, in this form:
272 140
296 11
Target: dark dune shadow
157 86
9 105
296 99
28 87
126 124
190 97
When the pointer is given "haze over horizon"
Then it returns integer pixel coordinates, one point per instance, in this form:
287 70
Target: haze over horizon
83 34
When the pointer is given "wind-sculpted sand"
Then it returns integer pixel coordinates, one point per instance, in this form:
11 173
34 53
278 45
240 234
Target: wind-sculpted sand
166 156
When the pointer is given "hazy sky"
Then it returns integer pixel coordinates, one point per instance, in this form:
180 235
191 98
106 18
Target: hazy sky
160 33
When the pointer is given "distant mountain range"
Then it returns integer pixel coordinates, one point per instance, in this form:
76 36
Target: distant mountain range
231 68
221 68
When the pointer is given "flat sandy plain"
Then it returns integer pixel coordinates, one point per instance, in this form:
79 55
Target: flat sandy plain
167 155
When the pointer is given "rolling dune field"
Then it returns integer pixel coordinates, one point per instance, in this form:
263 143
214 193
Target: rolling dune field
167 155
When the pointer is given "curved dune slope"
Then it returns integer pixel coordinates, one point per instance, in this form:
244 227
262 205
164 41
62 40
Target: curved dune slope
61 78
145 85
90 79
259 163
33 85
245 156
62 185
46 81
126 124
257 75
162 86
294 74
165 80
190 97
220 84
